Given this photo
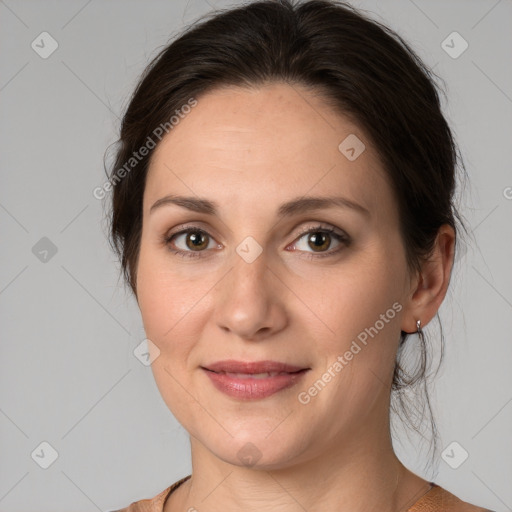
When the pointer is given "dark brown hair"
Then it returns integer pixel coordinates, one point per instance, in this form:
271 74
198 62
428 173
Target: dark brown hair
362 69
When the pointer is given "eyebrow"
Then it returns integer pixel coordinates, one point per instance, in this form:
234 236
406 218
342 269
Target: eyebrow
293 207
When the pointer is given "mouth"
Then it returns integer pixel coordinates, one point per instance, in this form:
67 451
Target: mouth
253 380
253 367
263 375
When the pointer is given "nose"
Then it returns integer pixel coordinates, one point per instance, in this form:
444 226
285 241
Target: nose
250 300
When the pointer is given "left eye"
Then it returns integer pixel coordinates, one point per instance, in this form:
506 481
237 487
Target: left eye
321 238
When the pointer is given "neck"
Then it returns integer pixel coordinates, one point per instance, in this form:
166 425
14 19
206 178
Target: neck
363 474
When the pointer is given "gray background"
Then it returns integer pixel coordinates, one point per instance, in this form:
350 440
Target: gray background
68 375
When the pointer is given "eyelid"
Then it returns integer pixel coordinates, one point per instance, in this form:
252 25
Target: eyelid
185 228
182 230
341 237
321 226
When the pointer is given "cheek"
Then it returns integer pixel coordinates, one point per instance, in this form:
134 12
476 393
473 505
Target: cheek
361 305
173 300
165 298
171 315
350 298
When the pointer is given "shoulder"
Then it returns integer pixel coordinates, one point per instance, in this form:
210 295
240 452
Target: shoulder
439 499
155 504
147 505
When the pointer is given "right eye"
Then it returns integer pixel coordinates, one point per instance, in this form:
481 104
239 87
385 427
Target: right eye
195 238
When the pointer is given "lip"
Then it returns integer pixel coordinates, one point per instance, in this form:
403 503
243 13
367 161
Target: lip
232 366
224 378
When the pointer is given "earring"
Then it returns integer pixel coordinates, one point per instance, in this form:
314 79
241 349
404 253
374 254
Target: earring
418 327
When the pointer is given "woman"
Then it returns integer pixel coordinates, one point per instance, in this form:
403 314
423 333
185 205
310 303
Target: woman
283 211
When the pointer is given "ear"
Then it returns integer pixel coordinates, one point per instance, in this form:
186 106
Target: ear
430 287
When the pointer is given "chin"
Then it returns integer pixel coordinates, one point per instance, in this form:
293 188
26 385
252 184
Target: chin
257 451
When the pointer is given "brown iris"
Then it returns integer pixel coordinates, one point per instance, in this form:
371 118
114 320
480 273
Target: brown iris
197 239
316 237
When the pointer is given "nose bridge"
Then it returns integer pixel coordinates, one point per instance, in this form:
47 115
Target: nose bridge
249 275
247 302
249 258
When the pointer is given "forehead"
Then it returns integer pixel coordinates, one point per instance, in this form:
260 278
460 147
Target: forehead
265 144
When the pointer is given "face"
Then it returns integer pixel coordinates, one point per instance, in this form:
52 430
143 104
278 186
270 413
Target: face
243 280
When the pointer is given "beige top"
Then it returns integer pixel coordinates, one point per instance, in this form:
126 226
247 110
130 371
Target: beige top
436 499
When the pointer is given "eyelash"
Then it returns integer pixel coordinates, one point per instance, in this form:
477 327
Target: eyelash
342 238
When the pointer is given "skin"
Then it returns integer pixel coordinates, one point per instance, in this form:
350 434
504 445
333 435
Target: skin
250 151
